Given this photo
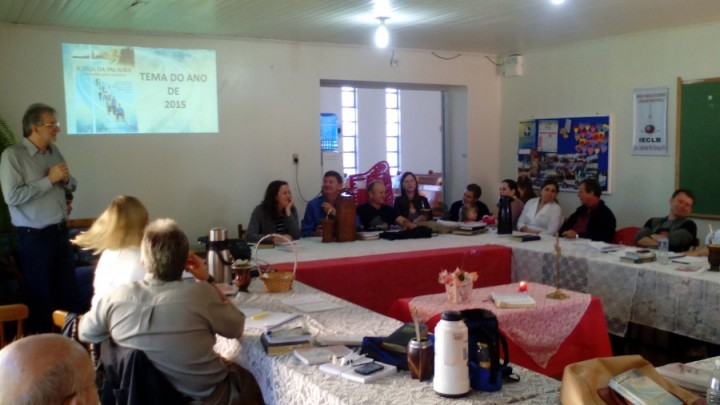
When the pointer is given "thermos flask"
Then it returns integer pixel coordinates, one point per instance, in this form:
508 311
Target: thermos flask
219 259
452 377
504 226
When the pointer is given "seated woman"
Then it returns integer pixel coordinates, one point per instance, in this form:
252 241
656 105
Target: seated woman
116 234
542 215
509 188
410 204
526 192
276 214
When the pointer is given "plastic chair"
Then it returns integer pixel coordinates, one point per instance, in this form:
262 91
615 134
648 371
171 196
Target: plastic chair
12 312
358 182
626 236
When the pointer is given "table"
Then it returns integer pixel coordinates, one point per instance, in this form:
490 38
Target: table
376 281
650 294
543 339
285 380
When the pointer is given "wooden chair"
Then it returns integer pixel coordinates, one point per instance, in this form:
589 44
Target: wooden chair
58 318
12 312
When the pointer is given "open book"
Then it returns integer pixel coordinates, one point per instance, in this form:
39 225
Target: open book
513 300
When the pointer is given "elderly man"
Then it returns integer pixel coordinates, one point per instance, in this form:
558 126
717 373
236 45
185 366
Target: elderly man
376 215
680 231
323 206
174 322
46 369
35 183
593 219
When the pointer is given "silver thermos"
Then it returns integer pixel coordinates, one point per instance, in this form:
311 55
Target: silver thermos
219 259
452 376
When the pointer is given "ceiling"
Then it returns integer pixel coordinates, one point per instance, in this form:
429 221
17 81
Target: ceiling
484 26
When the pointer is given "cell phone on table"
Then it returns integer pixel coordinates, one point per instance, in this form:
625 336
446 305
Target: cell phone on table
367 369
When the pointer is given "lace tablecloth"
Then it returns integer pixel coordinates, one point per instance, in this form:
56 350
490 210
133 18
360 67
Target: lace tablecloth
538 331
285 380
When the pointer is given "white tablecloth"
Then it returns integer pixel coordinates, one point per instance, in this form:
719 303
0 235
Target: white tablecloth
285 380
650 294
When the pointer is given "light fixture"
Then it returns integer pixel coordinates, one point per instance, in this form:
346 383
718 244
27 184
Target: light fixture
382 36
557 1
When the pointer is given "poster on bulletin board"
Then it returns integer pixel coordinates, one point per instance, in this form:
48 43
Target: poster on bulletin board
569 149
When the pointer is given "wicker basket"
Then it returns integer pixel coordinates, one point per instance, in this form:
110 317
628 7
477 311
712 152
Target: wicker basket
276 281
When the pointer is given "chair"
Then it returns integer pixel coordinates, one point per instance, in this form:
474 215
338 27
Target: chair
358 182
12 312
626 236
58 318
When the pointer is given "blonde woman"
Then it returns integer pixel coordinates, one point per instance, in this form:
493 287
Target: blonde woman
116 234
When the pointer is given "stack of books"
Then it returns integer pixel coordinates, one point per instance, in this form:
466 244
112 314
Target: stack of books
283 341
470 228
638 256
526 237
639 389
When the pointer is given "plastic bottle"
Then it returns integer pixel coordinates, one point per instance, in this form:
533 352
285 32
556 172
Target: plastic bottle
713 391
662 250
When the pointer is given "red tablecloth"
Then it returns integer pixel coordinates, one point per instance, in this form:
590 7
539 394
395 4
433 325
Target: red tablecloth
589 339
376 281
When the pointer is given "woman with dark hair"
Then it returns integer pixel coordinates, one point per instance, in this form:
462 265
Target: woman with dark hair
542 215
276 214
509 188
410 204
526 192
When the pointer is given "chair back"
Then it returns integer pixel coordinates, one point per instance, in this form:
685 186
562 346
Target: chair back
10 313
358 183
626 236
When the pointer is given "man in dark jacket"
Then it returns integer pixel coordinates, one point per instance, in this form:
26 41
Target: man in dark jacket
593 219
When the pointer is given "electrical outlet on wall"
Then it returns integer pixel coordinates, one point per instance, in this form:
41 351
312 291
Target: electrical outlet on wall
296 158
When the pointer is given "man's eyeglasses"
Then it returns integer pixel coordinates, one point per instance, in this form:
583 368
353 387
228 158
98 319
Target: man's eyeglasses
50 124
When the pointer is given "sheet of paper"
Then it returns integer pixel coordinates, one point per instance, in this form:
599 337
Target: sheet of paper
257 318
311 303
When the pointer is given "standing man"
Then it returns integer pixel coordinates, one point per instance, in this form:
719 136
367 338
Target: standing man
680 231
323 206
35 179
593 219
375 215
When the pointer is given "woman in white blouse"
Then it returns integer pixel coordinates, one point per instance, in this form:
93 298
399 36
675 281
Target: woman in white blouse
116 233
542 215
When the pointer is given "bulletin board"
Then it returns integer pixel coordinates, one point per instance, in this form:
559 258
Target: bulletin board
568 148
698 144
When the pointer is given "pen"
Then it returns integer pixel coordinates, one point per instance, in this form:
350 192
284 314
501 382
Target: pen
680 262
261 315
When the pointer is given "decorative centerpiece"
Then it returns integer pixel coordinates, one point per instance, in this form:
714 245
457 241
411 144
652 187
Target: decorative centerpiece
458 284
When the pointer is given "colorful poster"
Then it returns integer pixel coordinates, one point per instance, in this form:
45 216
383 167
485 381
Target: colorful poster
569 149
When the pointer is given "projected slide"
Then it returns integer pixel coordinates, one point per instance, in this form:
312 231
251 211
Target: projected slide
133 90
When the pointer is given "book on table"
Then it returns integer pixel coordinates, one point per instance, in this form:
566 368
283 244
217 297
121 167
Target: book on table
639 389
399 339
513 300
321 355
353 375
526 237
638 256
286 342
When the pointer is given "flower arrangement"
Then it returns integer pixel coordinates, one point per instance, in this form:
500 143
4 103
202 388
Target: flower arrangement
458 284
456 277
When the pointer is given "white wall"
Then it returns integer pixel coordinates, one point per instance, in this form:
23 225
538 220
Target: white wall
269 101
599 77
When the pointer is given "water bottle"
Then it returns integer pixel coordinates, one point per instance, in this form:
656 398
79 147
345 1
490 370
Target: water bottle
662 250
713 391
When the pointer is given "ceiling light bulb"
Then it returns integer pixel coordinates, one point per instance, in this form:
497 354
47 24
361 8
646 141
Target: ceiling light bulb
382 35
557 1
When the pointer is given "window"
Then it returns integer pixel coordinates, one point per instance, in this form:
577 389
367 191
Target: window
350 130
392 129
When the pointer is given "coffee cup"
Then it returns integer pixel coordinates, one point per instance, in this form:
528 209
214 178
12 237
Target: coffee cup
421 356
